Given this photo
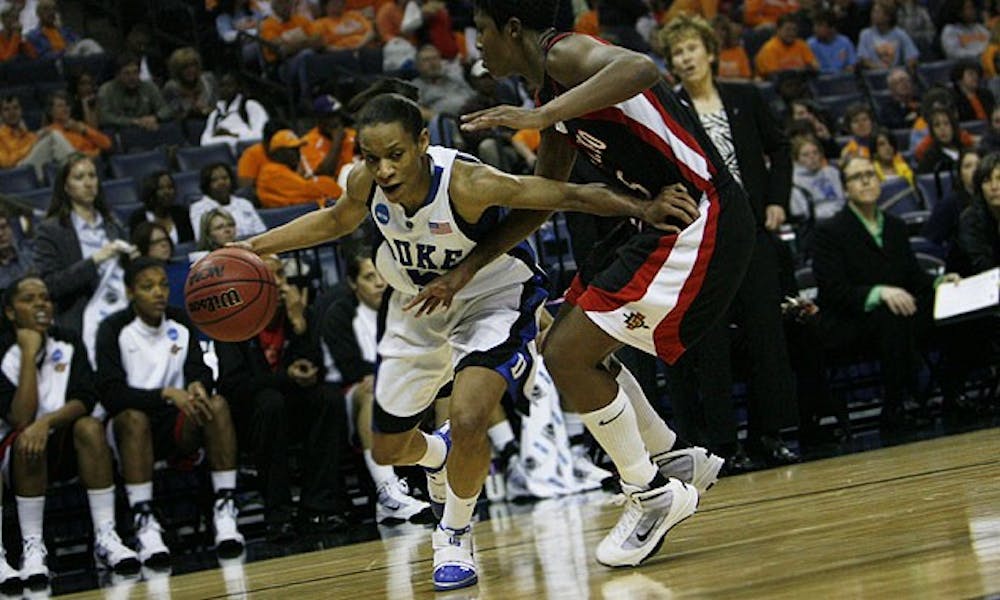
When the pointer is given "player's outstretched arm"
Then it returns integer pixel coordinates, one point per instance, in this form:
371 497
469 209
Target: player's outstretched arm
598 75
320 226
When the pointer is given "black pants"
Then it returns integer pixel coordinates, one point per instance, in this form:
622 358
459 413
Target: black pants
275 420
707 366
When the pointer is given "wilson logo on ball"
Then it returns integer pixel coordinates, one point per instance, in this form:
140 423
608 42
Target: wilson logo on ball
226 299
206 273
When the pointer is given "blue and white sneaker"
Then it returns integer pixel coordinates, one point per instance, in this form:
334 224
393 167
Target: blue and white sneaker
694 466
454 565
437 479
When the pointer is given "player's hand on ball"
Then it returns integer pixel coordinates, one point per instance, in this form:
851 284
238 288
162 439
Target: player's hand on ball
440 291
671 206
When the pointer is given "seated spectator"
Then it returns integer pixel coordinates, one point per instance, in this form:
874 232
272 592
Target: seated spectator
13 46
903 107
979 224
990 142
216 228
526 142
440 90
945 144
53 40
159 199
397 24
914 19
348 333
587 22
330 144
887 160
83 137
83 98
936 98
989 59
816 190
278 396
234 17
217 185
733 60
255 157
974 103
152 67
785 51
438 28
152 240
942 226
872 292
21 146
883 45
128 101
294 39
235 117
77 248
860 122
762 13
850 17
343 29
160 396
963 37
279 182
492 146
190 92
48 432
16 258
810 116
833 50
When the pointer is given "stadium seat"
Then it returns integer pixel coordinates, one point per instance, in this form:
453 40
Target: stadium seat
30 72
370 60
139 164
195 158
242 145
44 89
934 187
834 85
124 211
915 220
935 73
925 246
25 93
98 65
273 217
18 179
898 197
931 264
329 67
835 106
119 192
135 139
975 127
876 80
902 139
188 186
38 199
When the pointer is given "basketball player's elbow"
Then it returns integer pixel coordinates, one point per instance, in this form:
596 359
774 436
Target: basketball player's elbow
642 70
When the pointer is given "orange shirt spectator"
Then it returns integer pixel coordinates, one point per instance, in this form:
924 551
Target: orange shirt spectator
989 61
279 184
531 138
86 139
707 9
767 12
777 55
318 146
250 163
12 43
15 144
296 28
348 30
734 63
587 23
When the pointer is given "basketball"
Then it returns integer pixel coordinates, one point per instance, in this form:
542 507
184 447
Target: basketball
230 294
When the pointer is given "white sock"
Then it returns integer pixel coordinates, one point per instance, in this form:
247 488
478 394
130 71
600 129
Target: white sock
381 474
458 511
436 452
224 480
656 435
139 492
500 435
30 512
615 428
574 425
102 507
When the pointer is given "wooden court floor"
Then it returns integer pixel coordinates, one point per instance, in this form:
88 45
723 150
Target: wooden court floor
915 521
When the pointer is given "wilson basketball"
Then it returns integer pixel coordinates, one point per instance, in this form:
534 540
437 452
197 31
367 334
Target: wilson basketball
230 294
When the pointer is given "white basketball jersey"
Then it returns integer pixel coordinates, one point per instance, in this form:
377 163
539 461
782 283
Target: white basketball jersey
415 249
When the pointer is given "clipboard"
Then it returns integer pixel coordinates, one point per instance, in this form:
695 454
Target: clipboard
971 297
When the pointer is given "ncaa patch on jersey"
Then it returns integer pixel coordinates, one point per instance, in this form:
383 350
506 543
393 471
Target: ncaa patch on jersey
382 213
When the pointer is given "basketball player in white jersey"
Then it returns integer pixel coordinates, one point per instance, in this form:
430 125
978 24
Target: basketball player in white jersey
430 205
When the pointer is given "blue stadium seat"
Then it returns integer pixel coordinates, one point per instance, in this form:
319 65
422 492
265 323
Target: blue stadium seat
273 217
875 80
938 72
30 72
975 127
194 158
925 246
834 85
902 139
18 179
898 197
930 264
124 211
44 89
25 93
330 66
118 192
934 187
188 186
835 106
242 145
370 60
915 220
98 65
139 164
135 139
38 199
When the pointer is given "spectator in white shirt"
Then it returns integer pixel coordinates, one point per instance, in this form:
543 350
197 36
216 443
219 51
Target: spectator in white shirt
236 118
217 185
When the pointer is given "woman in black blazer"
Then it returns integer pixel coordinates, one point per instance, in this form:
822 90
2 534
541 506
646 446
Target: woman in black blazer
77 248
745 132
158 199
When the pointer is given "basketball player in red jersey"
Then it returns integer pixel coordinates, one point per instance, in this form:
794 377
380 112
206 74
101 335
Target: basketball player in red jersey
648 289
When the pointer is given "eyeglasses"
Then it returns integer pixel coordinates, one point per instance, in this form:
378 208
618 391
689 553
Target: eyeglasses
862 176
